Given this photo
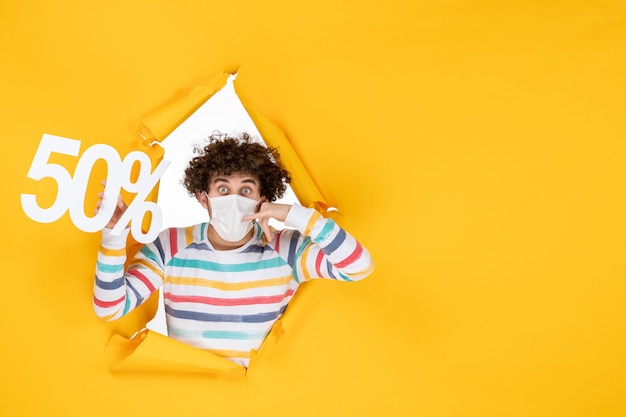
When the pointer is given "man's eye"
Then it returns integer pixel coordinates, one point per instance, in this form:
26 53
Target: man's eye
246 191
222 189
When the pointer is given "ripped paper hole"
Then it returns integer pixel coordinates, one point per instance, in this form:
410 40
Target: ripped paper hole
151 351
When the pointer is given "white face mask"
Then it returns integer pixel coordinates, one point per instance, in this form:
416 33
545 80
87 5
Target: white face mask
228 212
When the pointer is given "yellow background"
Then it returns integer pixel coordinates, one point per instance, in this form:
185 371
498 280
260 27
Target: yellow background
476 148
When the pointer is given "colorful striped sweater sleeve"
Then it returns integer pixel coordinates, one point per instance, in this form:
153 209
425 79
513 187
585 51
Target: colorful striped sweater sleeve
116 291
325 249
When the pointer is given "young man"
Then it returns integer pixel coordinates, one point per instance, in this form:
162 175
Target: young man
226 282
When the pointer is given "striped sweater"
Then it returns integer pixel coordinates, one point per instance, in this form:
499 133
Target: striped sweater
225 301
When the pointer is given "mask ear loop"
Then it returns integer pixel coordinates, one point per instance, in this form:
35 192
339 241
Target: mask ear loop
258 207
258 204
208 203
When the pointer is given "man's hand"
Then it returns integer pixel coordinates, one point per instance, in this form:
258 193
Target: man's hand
269 211
119 209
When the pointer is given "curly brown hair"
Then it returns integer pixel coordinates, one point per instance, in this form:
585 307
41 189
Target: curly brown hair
225 155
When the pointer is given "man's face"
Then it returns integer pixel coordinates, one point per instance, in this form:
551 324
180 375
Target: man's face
245 185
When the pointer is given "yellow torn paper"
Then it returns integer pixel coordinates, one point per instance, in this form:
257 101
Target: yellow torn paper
159 124
152 351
